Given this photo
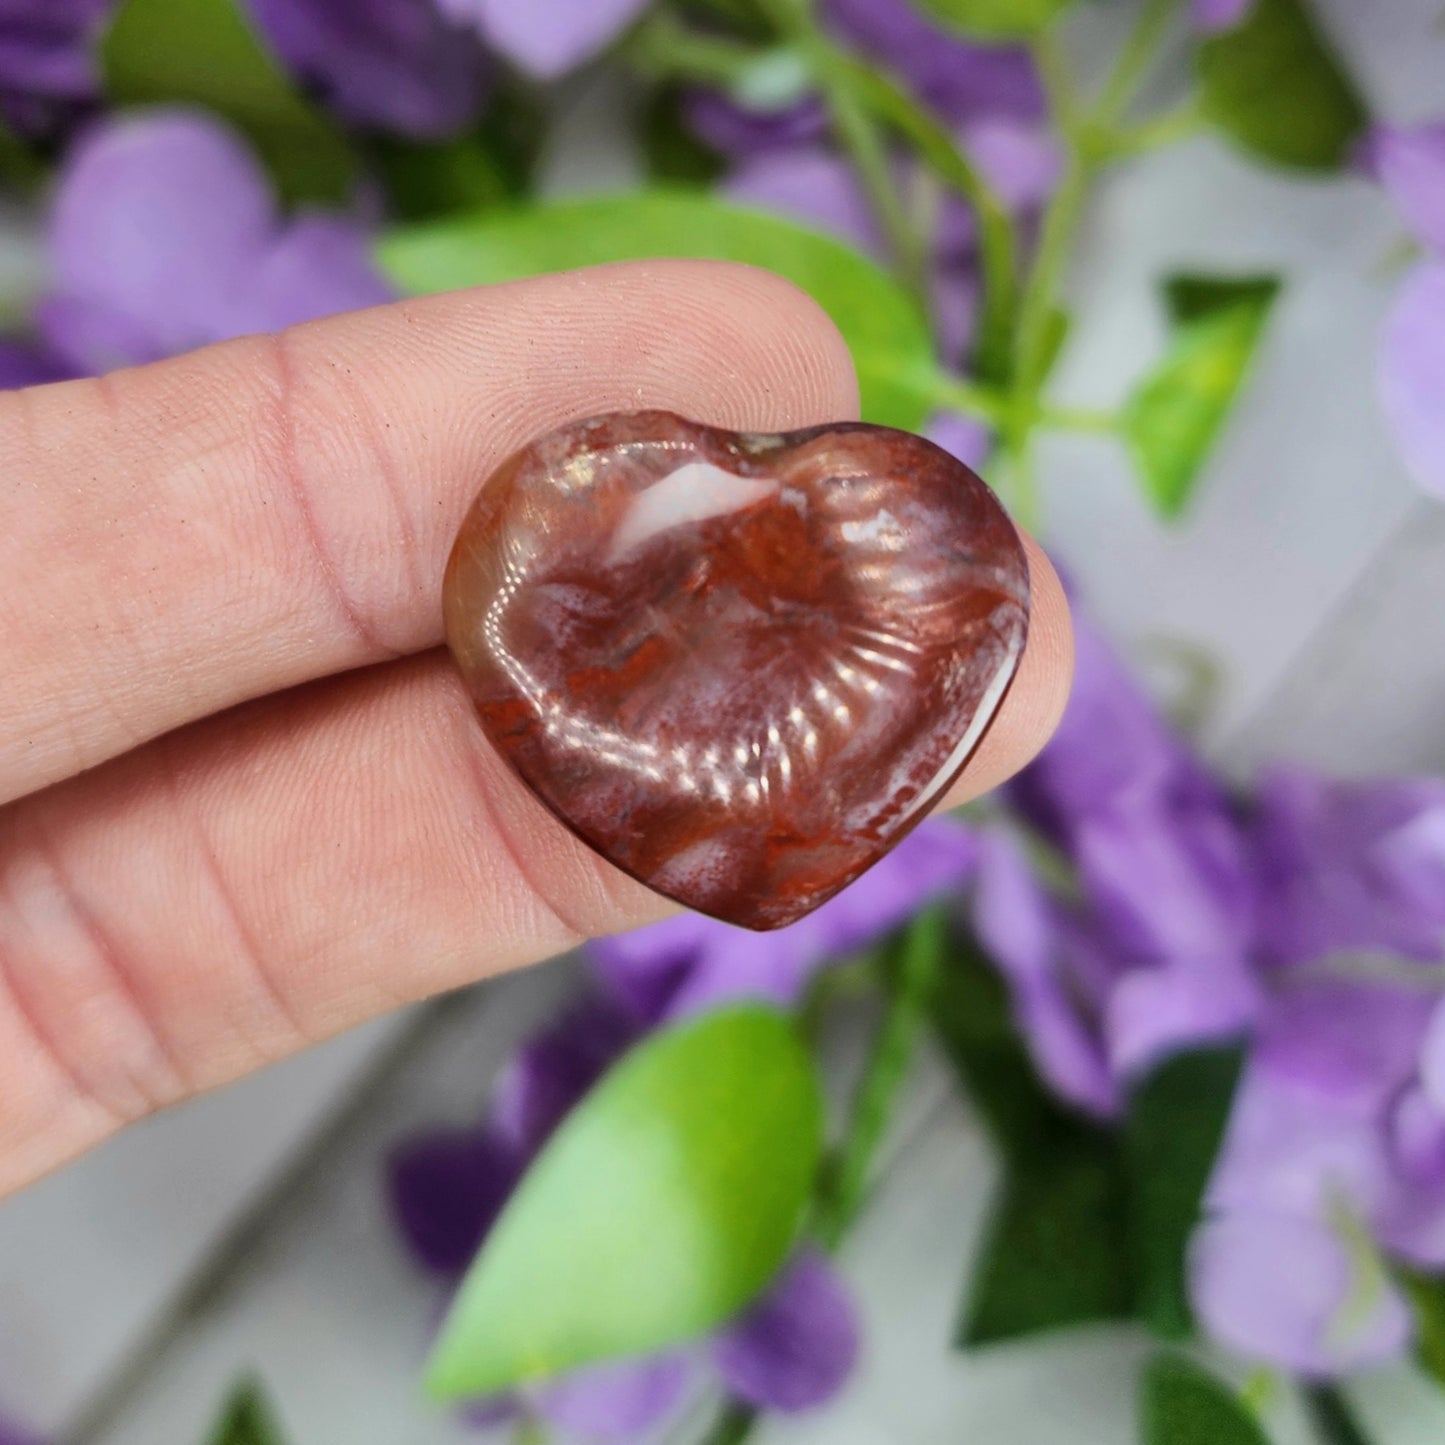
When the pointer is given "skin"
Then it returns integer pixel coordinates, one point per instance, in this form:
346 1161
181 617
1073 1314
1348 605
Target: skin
243 800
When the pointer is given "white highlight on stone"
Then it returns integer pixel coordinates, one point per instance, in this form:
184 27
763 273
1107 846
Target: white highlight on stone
882 529
695 492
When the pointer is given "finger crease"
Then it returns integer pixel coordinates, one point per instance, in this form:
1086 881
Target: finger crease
292 473
49 1047
247 945
173 1084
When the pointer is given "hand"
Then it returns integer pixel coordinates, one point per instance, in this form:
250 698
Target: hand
243 800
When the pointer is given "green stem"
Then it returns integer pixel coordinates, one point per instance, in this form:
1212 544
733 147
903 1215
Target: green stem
1134 61
1078 419
662 48
1332 1417
936 147
1037 307
733 1426
858 135
914 959
955 394
1154 134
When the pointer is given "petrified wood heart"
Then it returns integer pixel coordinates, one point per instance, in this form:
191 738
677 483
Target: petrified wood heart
741 667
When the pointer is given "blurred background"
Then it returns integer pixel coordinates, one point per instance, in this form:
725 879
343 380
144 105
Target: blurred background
1288 613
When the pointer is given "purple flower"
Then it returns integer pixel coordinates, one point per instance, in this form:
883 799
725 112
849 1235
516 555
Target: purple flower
48 69
691 963
960 80
796 1347
397 64
1412 374
1214 15
1410 164
1330 1167
26 364
792 1349
1275 1288
963 83
1350 866
546 38
165 235
1157 954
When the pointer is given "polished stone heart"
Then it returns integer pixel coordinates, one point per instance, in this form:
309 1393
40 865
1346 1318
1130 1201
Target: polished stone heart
741 667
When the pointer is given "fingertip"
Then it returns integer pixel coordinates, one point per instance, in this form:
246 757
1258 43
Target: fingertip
1035 704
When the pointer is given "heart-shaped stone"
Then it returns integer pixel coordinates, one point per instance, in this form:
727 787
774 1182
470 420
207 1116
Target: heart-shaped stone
741 667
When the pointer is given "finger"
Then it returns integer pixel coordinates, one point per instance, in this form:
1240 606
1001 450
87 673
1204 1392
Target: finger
275 874
180 537
1039 694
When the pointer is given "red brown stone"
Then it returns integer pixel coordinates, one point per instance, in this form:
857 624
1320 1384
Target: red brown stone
741 667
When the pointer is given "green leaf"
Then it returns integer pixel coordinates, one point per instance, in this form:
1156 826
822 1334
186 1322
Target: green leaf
1176 414
1175 1125
247 1419
205 53
1182 1404
997 19
1427 1295
973 1019
888 337
1274 85
489 166
665 1202
674 155
1056 1253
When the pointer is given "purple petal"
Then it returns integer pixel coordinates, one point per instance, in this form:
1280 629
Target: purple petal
157 220
1417 1131
1349 865
1412 375
27 365
93 337
446 1190
958 79
1155 1012
1432 1057
616 1402
1168 881
1212 15
1410 164
550 1073
398 64
736 130
1111 748
319 266
1354 1044
690 963
1021 160
813 186
962 437
1284 1290
797 1345
955 297
47 59
645 968
547 38
1029 941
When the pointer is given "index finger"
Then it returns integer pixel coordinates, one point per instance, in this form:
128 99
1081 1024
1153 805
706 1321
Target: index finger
182 537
